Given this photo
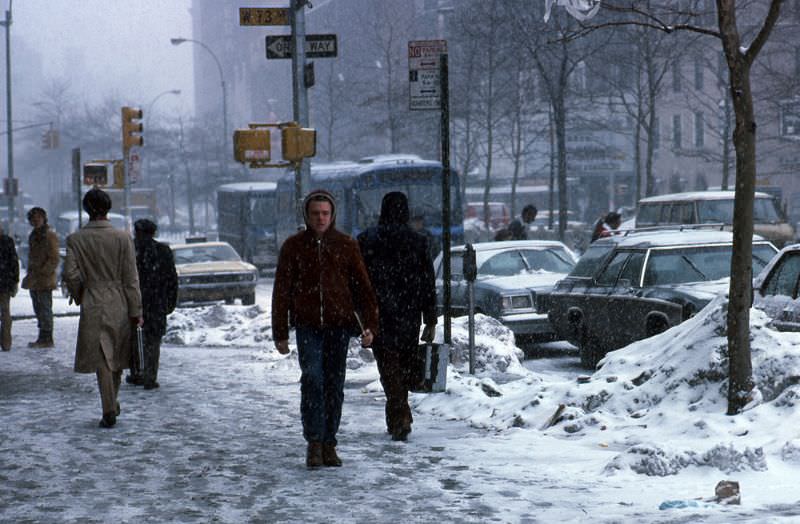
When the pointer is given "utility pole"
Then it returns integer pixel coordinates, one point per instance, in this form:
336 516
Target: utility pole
302 173
10 130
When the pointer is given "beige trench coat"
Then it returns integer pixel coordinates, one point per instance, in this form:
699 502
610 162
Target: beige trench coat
100 274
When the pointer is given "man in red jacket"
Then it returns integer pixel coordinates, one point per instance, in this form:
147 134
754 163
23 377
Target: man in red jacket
321 286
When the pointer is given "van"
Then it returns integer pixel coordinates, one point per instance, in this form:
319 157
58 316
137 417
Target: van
714 207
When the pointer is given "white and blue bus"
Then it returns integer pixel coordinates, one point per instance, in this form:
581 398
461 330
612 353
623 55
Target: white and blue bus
246 220
359 188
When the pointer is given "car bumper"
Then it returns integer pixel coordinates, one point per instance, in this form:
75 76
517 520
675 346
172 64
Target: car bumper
208 292
528 324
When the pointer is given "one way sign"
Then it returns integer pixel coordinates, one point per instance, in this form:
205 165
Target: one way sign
317 46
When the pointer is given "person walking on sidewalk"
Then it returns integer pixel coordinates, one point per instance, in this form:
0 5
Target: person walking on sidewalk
40 280
320 286
100 274
402 274
158 284
9 280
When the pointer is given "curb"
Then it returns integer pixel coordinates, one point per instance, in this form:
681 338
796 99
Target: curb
55 315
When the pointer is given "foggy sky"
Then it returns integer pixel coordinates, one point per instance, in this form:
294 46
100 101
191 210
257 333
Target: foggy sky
105 48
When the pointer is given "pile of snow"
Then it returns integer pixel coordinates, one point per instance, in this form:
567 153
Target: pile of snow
660 401
219 326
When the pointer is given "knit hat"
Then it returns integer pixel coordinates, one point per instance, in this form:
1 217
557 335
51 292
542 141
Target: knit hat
394 209
319 195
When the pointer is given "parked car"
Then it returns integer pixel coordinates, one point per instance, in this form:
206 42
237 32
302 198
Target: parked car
707 207
213 271
632 286
775 289
510 275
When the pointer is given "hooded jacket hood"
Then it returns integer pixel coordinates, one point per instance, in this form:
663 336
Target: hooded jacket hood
394 209
318 194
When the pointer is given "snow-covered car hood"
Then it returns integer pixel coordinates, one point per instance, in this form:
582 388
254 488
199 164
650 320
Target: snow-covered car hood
222 266
531 280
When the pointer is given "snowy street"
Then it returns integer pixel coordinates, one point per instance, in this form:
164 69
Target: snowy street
220 441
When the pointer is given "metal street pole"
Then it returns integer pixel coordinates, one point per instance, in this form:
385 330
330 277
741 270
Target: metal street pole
225 149
147 125
302 174
10 130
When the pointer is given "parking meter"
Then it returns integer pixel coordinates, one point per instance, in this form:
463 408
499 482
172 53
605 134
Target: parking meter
470 267
470 272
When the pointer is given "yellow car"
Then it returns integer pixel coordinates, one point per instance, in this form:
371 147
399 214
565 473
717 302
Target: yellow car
209 271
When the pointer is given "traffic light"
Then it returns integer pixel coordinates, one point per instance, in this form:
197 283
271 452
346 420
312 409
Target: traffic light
131 128
50 139
251 145
298 143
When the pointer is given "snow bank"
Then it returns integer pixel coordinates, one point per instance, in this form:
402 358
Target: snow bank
660 401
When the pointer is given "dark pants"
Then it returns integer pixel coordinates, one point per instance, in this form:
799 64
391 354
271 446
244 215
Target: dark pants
151 338
43 307
323 361
395 364
5 319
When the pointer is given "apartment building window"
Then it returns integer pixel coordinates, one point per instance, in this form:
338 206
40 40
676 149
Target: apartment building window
676 132
676 75
699 130
698 73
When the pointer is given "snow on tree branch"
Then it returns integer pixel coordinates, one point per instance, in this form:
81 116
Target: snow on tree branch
579 9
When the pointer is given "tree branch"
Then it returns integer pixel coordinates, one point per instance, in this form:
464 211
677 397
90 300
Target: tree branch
769 22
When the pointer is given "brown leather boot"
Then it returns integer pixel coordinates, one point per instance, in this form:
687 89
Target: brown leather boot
329 456
45 340
314 455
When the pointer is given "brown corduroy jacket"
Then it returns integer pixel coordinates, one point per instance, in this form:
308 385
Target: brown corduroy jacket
322 283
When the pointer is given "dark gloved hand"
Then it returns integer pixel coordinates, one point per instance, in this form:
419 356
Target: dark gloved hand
428 332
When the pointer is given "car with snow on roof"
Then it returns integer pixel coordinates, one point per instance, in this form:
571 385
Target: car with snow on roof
510 275
775 289
209 271
635 285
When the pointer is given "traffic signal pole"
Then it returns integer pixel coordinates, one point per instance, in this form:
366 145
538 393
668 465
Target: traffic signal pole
302 171
9 121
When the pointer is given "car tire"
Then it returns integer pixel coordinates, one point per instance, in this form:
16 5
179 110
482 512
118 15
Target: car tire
656 325
591 352
249 299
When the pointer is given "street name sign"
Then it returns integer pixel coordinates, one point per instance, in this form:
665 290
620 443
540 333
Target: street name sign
264 16
317 46
423 73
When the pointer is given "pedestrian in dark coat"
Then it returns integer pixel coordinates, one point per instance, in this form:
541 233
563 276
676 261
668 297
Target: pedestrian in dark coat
321 285
401 272
100 274
9 281
40 279
158 283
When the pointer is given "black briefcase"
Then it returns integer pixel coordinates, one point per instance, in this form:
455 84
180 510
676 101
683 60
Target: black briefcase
430 368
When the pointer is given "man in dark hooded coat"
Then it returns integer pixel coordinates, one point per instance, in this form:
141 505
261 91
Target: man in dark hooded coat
402 275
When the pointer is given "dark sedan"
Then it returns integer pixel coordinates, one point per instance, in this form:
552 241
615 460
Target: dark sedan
629 287
510 275
775 290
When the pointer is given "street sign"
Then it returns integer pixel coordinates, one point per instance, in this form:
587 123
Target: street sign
423 73
317 46
10 187
264 16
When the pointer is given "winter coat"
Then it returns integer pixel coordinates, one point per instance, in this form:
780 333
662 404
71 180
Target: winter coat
401 271
43 259
100 274
158 282
9 264
321 283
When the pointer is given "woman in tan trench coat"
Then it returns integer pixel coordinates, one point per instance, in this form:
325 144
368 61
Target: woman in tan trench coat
100 274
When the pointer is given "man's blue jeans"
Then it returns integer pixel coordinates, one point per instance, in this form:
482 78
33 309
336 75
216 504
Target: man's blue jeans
323 361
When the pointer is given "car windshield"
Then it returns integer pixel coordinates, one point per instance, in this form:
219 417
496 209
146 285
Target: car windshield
193 254
590 262
697 264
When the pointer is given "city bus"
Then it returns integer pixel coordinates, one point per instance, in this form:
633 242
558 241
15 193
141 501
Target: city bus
359 188
246 220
